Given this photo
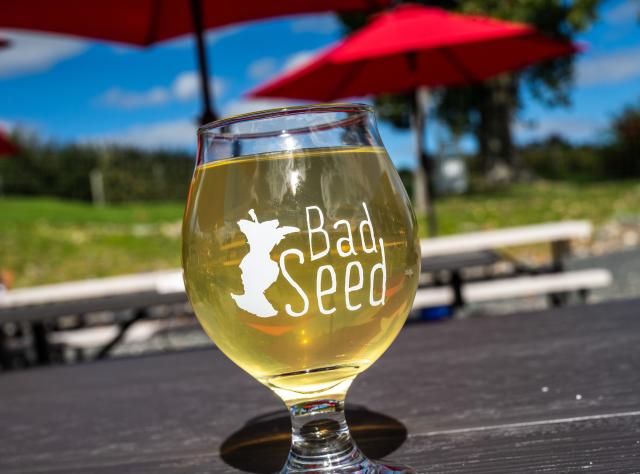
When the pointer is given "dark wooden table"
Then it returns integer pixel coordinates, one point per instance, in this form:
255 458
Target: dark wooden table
556 391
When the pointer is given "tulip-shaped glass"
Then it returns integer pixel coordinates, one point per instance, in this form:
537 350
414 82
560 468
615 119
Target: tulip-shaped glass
301 261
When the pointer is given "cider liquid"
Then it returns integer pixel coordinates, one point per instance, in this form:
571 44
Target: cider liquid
314 354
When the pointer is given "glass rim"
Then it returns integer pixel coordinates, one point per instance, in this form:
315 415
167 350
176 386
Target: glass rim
214 129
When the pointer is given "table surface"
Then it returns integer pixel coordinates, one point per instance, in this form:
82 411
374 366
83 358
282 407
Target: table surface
554 391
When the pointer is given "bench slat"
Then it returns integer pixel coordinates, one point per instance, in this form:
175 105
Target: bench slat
167 288
430 297
536 285
519 287
162 282
500 238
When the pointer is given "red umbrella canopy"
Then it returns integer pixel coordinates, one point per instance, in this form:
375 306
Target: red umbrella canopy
413 46
144 22
7 148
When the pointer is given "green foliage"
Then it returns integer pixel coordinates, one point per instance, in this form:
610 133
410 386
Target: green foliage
617 157
136 175
623 154
481 109
550 81
46 169
129 174
557 159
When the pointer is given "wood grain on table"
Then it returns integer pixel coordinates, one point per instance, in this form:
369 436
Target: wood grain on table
554 391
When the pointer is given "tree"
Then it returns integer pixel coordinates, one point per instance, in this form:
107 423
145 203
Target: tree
487 110
623 153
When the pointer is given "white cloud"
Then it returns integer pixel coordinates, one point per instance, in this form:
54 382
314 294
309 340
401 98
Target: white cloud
262 68
322 24
571 128
215 36
6 125
625 12
212 37
246 105
610 68
186 86
31 53
267 67
169 134
299 59
119 98
180 133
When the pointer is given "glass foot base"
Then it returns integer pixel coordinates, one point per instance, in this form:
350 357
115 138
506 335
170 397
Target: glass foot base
365 467
339 455
322 444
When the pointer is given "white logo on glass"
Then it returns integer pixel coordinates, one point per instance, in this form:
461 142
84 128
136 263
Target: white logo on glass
259 272
362 280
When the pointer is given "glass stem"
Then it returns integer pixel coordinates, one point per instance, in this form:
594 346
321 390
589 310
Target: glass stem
321 441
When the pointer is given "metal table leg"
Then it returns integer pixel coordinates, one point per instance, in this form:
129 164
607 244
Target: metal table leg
41 343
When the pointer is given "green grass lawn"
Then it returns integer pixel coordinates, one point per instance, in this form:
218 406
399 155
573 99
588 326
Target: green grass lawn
46 240
539 202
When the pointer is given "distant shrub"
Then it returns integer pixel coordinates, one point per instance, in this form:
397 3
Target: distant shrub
128 174
617 156
623 153
555 158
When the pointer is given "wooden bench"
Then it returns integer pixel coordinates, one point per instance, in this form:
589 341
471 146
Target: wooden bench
105 294
519 287
43 305
558 234
453 254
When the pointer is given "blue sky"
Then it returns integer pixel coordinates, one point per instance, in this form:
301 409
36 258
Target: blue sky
67 89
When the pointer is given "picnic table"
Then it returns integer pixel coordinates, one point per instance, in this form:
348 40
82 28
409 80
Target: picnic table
452 255
43 306
552 391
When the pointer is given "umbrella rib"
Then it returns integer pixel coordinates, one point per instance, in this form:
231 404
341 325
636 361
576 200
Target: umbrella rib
152 34
342 85
451 57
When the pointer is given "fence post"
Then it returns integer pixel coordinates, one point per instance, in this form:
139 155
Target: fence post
96 178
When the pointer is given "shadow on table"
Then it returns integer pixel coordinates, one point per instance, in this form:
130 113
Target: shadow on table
262 445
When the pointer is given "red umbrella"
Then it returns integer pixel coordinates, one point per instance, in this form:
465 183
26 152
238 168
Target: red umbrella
144 22
413 46
7 147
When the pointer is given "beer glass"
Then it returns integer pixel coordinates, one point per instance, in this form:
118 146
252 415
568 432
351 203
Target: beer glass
301 261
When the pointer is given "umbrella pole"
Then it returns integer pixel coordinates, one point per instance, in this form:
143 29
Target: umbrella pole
208 114
419 123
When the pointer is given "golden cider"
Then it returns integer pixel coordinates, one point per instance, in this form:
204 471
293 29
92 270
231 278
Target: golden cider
301 266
